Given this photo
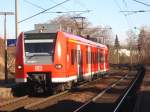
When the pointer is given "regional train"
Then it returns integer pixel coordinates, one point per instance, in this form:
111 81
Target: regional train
58 60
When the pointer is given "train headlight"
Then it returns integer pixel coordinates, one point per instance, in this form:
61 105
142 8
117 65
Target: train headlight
58 66
19 67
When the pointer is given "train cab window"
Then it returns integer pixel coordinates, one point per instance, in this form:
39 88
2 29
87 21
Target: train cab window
39 48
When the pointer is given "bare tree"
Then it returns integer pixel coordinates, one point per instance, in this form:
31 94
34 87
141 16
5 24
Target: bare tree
68 22
144 44
94 32
10 59
132 46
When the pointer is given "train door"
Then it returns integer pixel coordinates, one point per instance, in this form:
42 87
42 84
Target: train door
79 63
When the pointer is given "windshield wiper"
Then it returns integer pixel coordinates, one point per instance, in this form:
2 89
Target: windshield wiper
37 54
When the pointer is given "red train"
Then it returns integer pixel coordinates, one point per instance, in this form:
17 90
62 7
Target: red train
58 60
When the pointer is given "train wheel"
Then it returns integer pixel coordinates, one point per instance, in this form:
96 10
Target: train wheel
62 87
90 79
58 88
69 85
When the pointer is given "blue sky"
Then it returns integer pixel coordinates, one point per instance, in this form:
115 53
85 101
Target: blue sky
104 12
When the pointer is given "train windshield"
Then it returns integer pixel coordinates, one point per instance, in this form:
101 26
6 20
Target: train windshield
39 48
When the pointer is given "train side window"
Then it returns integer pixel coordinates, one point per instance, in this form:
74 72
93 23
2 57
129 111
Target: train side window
88 57
92 57
106 57
102 58
73 56
96 57
99 59
79 56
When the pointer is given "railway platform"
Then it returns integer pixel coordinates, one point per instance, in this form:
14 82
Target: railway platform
143 96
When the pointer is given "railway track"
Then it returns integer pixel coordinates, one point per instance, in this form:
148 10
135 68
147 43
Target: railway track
111 100
75 99
68 101
17 103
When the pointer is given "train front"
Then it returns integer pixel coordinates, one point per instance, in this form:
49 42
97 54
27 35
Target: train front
35 58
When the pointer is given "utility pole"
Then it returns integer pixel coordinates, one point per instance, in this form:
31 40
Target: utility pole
5 42
117 45
131 54
80 28
16 19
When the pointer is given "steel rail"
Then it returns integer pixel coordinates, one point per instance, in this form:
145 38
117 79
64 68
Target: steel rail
126 93
44 100
100 94
13 101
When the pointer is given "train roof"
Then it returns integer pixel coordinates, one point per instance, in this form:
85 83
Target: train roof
37 31
71 36
81 39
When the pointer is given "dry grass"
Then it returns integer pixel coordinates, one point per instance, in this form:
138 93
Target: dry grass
1 68
10 60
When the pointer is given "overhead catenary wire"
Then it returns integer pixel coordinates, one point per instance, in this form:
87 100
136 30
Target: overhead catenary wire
127 8
142 3
129 24
84 11
124 1
80 12
130 12
43 11
80 3
56 3
136 11
37 6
